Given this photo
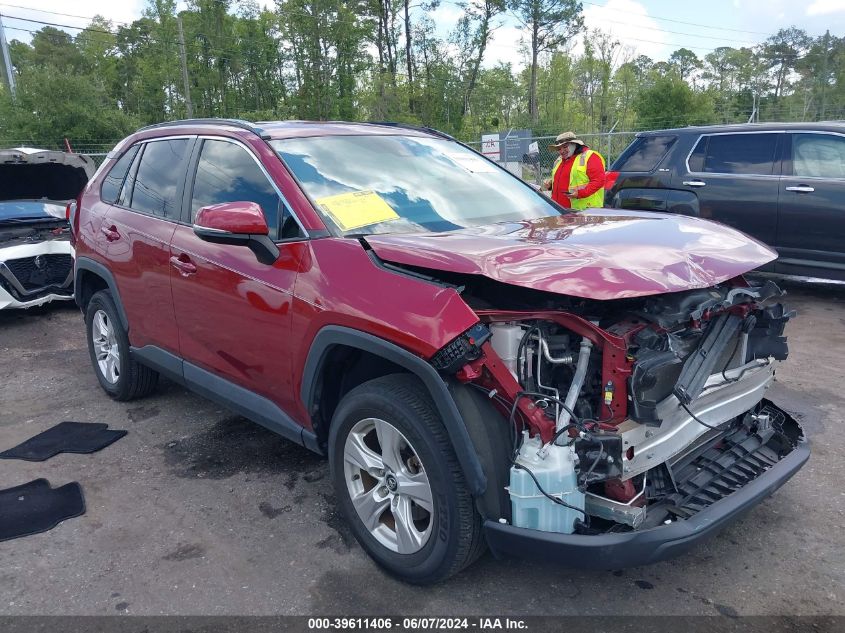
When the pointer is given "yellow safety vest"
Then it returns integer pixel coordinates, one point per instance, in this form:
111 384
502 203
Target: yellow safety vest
578 176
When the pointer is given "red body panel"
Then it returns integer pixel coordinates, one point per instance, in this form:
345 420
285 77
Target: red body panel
339 284
234 313
243 218
138 255
601 254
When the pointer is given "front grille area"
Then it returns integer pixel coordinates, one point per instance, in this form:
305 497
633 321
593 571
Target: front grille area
33 273
722 470
726 463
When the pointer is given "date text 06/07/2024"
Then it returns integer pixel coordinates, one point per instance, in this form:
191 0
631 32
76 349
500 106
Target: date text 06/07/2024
417 624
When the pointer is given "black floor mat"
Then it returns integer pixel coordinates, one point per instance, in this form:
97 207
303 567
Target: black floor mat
65 437
35 507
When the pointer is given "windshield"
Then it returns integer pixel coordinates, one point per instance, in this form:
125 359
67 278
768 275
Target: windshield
403 184
24 211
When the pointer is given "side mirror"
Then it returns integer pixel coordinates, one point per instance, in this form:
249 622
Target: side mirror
238 224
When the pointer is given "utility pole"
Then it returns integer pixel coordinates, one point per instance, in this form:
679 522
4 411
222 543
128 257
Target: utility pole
7 61
184 64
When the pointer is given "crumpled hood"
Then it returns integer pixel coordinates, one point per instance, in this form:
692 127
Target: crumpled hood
34 174
600 254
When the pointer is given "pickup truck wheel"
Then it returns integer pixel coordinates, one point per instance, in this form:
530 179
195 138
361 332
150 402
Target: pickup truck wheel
120 376
398 482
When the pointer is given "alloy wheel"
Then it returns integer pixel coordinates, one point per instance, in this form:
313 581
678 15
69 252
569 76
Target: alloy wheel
105 346
388 486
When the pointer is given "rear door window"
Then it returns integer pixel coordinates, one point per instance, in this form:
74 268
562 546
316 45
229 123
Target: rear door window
818 156
644 154
752 154
160 174
114 179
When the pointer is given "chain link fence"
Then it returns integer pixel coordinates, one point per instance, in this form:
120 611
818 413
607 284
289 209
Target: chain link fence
537 167
97 151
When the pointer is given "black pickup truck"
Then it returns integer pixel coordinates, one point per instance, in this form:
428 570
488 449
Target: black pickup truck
783 183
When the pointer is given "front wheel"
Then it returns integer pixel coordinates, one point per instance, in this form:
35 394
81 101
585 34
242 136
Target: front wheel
399 484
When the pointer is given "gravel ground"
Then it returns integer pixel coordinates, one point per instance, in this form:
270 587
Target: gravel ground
198 511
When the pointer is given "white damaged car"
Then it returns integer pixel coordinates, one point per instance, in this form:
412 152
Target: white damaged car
36 258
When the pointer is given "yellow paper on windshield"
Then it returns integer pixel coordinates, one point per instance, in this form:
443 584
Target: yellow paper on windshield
357 209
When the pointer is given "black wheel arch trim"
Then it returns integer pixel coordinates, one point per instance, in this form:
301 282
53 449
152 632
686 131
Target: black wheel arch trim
333 335
633 549
88 264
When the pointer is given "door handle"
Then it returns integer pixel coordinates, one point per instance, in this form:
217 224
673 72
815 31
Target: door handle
111 233
694 183
183 264
801 189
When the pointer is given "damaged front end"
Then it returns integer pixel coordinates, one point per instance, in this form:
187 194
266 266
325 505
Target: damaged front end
36 263
639 425
36 256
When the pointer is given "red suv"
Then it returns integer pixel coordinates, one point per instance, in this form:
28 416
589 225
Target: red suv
480 366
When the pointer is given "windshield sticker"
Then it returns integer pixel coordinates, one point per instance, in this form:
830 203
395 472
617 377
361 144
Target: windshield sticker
357 209
471 163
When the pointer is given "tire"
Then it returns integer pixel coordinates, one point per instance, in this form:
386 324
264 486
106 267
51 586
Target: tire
446 536
119 375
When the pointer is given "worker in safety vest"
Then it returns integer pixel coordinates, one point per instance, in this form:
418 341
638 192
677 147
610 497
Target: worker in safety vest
577 180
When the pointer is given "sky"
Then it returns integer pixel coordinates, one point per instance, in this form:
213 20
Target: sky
649 27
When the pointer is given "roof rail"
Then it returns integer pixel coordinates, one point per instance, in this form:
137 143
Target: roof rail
244 125
408 126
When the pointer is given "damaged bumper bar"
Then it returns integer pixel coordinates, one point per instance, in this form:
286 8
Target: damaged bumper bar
641 547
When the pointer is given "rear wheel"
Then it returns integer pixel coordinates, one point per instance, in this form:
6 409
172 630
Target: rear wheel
119 375
399 484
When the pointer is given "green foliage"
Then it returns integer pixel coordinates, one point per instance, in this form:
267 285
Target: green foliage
52 105
549 24
670 102
364 60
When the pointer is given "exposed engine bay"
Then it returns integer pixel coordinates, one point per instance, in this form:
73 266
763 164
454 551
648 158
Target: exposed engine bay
34 233
632 413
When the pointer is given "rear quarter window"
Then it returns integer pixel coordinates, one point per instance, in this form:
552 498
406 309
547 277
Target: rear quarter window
114 179
644 154
160 172
818 156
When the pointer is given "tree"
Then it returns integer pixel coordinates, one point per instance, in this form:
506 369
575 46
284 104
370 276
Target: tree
782 51
549 23
595 72
330 59
52 105
497 98
686 62
819 69
472 35
670 102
